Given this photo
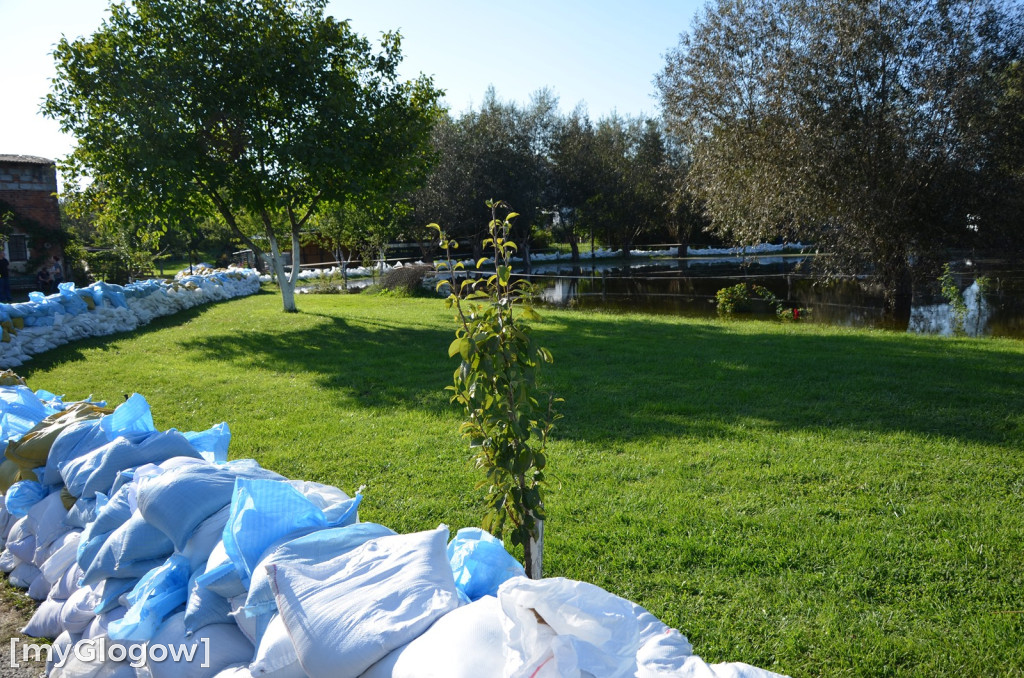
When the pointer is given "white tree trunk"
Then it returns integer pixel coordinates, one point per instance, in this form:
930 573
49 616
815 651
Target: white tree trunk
286 283
537 552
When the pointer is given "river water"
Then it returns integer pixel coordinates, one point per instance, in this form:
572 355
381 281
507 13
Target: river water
687 286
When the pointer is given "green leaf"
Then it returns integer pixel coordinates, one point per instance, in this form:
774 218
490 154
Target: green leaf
531 314
481 262
460 345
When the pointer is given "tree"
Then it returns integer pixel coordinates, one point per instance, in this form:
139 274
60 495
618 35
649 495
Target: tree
843 122
259 107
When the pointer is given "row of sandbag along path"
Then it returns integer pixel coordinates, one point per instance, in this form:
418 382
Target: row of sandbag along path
152 555
46 321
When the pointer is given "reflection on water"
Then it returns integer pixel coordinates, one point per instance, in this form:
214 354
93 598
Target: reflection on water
688 286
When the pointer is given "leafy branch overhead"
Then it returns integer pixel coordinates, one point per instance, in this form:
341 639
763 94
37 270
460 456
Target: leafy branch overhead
508 416
260 110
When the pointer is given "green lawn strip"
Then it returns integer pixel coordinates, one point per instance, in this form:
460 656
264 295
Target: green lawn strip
821 501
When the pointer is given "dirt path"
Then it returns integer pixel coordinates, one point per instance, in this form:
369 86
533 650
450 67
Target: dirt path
12 620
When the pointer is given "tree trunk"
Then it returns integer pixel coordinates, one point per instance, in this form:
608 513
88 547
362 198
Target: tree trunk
575 246
287 286
533 553
526 254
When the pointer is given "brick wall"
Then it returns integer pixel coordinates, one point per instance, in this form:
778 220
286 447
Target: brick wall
29 186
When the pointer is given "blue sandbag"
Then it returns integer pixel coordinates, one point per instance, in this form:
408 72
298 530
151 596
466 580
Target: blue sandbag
263 511
480 563
211 443
20 411
153 599
23 495
131 550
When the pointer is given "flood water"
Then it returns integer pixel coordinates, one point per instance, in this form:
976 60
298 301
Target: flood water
687 287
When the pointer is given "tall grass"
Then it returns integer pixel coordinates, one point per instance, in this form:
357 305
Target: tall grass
814 500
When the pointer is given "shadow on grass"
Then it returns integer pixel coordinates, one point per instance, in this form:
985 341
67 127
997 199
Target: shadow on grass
643 377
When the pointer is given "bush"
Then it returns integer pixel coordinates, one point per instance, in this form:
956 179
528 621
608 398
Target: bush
405 279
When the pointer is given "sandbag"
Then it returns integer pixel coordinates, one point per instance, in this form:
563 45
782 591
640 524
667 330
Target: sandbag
560 627
131 550
67 584
96 471
205 607
275 655
465 643
260 604
33 449
46 519
226 645
152 600
23 575
20 412
178 500
264 511
346 614
61 645
79 609
98 626
45 622
23 495
480 563
206 537
39 589
54 567
9 561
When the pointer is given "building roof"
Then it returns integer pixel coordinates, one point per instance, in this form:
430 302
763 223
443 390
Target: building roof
25 160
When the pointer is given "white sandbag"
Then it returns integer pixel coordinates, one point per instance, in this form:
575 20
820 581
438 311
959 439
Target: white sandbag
98 626
67 584
465 643
560 627
225 643
60 560
275 656
46 519
21 541
695 667
39 589
79 610
45 622
260 604
235 671
90 658
44 553
202 542
61 646
246 625
9 561
23 575
346 614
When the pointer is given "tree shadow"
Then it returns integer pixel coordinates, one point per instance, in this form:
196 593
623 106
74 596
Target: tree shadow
645 377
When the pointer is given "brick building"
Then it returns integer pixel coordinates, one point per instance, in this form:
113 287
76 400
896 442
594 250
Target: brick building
28 190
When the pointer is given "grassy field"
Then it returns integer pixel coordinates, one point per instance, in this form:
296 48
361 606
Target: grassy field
813 500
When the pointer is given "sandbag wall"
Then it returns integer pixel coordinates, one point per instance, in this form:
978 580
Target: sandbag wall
154 556
45 322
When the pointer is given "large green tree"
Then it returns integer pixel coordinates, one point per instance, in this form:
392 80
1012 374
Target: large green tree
266 108
853 124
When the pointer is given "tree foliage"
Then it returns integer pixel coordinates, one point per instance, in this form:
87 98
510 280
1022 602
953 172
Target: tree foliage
851 124
508 417
265 108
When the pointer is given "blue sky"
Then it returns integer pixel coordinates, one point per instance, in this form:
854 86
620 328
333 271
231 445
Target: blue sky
601 53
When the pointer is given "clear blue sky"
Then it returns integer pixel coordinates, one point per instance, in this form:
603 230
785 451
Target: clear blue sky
598 52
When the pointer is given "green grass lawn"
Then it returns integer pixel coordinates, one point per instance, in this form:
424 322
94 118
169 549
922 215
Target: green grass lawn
813 500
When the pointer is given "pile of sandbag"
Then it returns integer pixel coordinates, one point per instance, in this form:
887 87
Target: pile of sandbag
153 555
45 322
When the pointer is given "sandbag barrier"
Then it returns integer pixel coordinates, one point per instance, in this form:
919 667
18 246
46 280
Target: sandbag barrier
154 556
45 322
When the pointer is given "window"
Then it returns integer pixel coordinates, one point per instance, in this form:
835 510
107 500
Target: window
17 247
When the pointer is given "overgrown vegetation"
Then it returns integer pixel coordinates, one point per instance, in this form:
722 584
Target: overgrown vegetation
737 299
957 300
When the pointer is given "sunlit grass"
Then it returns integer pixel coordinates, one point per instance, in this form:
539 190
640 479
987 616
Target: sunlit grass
818 501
